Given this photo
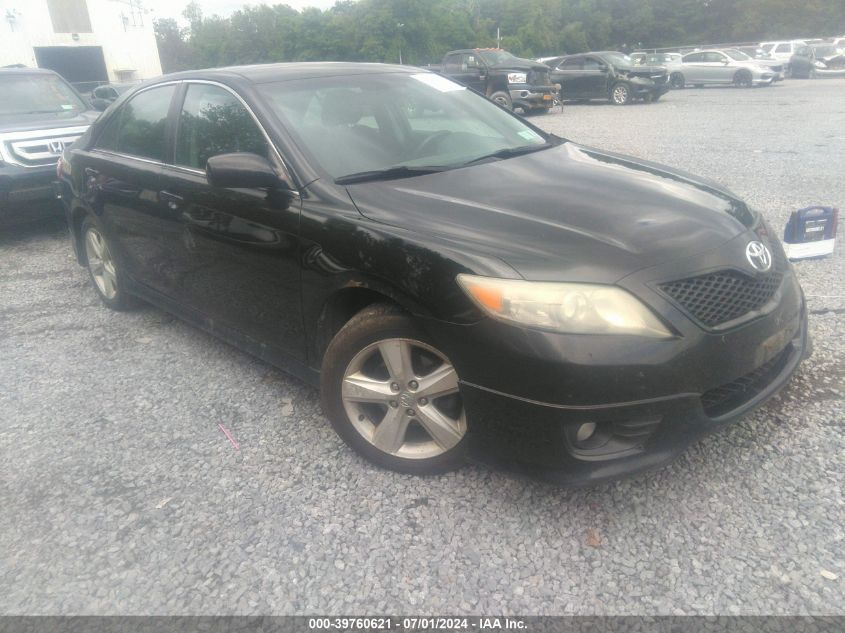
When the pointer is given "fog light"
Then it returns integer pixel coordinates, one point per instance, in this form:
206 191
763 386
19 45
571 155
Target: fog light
585 432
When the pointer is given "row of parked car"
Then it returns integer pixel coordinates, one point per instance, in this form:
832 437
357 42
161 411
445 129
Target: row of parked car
535 85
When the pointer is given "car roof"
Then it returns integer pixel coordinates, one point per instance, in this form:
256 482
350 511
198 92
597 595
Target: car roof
26 71
266 73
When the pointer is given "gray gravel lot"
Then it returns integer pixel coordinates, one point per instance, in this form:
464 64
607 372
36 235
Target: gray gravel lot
120 494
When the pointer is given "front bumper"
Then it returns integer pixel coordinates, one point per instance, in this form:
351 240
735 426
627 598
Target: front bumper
526 96
527 393
643 87
27 194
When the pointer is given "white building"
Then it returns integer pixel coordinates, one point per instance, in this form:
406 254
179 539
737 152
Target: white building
83 40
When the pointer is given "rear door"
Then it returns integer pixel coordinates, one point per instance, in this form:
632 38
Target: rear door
235 252
121 179
570 74
695 68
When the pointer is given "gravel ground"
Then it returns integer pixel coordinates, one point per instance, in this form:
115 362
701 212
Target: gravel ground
120 494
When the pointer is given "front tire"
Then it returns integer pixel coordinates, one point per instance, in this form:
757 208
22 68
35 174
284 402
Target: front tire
743 79
502 98
677 80
104 272
392 396
620 94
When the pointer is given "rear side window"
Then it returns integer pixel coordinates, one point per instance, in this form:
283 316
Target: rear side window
453 64
213 121
694 58
783 48
139 127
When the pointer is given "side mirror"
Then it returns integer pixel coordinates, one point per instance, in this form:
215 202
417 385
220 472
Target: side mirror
100 105
725 62
242 171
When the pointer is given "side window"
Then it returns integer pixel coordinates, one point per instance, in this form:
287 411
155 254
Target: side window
804 51
213 121
591 63
139 127
470 62
452 64
573 63
715 58
783 48
694 58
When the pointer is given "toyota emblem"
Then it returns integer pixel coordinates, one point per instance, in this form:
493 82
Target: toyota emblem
759 256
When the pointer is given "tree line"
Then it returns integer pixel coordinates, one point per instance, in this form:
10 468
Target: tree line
421 31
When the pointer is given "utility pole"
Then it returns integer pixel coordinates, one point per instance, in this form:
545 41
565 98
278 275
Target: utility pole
498 38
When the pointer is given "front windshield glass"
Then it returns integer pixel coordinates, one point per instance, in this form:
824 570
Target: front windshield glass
496 58
619 60
363 123
36 94
737 55
824 51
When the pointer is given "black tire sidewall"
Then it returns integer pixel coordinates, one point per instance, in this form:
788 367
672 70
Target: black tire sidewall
369 326
508 103
121 300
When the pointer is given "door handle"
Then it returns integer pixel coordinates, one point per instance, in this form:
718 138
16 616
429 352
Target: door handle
172 201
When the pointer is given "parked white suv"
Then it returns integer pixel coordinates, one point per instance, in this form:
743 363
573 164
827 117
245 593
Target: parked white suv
783 50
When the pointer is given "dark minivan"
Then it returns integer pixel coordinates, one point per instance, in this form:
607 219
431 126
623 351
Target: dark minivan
452 277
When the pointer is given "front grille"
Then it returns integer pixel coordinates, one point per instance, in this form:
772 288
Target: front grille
777 69
39 147
734 394
725 295
538 78
659 79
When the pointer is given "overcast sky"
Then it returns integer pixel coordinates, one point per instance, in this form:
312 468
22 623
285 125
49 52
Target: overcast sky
174 8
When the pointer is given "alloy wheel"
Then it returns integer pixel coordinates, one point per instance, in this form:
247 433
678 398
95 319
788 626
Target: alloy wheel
620 95
402 396
100 263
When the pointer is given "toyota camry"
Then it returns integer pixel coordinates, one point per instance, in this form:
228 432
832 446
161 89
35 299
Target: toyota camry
455 280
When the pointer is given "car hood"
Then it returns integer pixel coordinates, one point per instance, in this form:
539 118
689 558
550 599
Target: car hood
565 213
41 121
643 70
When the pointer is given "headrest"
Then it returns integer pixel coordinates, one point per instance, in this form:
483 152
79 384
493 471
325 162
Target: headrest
342 107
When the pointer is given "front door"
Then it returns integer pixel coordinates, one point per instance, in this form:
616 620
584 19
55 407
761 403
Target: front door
236 256
595 78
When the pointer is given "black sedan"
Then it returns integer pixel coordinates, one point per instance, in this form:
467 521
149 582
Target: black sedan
607 75
452 277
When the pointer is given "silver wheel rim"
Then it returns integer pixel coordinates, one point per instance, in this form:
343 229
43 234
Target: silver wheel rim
100 263
402 396
620 94
502 102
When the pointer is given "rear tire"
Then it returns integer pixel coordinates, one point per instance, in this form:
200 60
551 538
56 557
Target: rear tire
104 272
392 396
502 98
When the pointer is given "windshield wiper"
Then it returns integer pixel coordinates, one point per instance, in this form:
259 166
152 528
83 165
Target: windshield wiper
510 152
400 171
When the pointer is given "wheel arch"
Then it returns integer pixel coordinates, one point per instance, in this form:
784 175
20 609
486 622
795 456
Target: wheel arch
346 301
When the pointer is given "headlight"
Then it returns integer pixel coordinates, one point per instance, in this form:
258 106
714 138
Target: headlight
563 307
517 78
819 64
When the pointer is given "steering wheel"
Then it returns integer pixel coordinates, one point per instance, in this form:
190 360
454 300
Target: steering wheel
428 142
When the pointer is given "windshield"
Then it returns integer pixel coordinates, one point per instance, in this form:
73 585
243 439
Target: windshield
365 123
618 59
36 94
737 55
497 58
824 51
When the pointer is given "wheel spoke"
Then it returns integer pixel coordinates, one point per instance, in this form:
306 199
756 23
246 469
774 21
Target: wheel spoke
441 382
108 285
397 356
389 435
359 388
94 245
443 430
